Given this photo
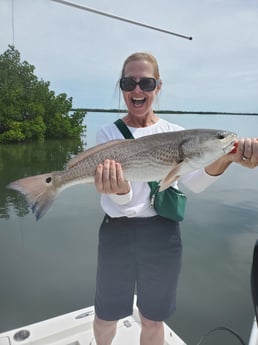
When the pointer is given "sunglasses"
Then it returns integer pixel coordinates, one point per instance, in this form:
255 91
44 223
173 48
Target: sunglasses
145 84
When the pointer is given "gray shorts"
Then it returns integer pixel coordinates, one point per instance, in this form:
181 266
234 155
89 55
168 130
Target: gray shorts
142 256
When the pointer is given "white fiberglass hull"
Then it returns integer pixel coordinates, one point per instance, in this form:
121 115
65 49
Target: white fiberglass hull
76 329
254 334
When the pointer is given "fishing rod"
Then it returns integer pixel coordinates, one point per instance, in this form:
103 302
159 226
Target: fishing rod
85 8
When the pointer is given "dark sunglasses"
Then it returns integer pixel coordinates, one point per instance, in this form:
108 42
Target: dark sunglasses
146 84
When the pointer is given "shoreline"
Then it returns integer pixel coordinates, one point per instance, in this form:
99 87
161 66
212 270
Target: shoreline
97 110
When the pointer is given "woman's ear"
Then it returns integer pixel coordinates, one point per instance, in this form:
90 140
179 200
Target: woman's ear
159 86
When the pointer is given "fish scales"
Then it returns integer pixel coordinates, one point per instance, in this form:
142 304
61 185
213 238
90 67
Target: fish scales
132 155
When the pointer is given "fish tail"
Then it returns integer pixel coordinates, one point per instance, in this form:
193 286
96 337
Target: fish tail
39 191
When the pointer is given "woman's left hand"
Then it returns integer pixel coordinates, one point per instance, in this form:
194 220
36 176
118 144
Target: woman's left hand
246 153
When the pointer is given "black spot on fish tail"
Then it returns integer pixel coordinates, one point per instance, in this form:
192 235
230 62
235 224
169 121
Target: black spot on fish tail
48 179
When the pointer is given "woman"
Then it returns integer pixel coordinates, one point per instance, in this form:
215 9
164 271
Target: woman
137 248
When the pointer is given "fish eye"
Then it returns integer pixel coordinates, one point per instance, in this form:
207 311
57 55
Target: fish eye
220 135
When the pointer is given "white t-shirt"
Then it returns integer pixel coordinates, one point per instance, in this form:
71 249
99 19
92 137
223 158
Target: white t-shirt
137 202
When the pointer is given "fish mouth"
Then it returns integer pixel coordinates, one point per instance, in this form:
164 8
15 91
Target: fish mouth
226 149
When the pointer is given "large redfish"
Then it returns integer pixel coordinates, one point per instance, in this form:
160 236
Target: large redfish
163 156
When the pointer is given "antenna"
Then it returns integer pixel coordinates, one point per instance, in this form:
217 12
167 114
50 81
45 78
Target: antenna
85 8
13 22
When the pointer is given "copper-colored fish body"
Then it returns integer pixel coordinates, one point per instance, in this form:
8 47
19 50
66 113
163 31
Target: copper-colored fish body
162 157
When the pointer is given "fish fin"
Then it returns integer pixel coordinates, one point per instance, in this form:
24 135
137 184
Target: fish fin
81 156
171 177
39 192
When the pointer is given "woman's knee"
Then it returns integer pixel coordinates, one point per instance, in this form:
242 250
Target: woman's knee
150 323
104 324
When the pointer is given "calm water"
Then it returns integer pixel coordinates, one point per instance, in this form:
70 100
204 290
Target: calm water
48 267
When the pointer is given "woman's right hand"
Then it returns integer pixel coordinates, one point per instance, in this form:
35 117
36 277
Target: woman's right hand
109 178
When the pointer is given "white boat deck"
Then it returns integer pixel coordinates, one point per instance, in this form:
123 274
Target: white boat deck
253 340
76 329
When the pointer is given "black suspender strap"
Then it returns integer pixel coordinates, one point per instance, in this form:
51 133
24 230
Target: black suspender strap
124 129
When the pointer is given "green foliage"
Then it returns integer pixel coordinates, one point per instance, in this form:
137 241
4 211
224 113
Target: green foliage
29 110
24 130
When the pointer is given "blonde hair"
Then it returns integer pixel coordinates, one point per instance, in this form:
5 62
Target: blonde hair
142 56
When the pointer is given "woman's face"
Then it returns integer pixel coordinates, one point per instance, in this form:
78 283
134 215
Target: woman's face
139 102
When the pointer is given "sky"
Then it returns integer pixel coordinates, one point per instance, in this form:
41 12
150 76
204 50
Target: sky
81 53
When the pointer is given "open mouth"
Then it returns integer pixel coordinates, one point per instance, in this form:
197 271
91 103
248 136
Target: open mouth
138 102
